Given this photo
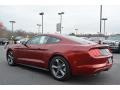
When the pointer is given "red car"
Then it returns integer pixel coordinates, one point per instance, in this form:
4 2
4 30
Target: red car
63 56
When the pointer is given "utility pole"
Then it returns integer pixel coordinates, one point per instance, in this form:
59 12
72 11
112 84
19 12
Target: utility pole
60 21
100 18
12 22
42 13
104 19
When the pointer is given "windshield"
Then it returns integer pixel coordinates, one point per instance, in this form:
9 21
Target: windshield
115 37
79 40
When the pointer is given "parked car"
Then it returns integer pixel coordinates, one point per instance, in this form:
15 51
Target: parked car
63 56
3 41
97 39
22 40
114 42
17 39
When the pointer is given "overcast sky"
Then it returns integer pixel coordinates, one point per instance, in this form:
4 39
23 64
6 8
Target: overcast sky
84 18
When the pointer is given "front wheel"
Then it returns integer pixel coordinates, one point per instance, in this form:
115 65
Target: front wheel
10 58
59 68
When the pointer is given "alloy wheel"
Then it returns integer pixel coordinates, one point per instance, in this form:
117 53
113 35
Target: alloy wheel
59 68
10 58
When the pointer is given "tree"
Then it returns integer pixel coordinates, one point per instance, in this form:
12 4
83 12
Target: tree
72 34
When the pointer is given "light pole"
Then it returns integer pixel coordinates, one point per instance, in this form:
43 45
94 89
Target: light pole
60 20
104 19
100 17
42 13
39 25
12 22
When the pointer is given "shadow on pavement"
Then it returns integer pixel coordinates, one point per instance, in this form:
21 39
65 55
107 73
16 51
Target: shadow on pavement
98 79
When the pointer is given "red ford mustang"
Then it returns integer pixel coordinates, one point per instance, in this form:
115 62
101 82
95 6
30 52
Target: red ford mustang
63 56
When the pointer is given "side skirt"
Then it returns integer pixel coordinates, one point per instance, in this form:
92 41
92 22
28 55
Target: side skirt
34 67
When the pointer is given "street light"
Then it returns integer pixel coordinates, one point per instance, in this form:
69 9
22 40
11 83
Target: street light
104 19
60 20
42 13
100 18
39 25
12 22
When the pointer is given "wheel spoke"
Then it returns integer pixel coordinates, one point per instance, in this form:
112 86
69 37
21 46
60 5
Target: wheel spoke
62 72
55 67
64 69
57 61
57 72
63 65
10 58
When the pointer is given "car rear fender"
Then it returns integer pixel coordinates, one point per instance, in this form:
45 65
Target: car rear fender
58 54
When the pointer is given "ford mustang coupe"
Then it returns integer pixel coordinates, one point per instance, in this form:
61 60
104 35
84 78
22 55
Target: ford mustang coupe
63 56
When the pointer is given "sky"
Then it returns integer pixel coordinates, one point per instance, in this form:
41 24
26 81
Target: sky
85 18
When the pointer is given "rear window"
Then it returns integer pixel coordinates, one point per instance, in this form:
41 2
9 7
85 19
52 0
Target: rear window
79 40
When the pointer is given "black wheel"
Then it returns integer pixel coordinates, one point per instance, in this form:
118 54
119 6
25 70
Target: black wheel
59 68
10 58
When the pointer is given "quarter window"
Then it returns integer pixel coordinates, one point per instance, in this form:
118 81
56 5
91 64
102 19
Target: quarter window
52 40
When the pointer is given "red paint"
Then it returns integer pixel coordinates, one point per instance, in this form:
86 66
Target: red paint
83 59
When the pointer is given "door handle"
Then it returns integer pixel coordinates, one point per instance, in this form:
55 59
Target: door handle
42 49
38 49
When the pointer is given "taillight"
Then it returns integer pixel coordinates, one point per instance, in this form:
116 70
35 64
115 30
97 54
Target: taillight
95 52
99 52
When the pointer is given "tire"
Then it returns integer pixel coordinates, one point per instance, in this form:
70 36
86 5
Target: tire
60 68
10 58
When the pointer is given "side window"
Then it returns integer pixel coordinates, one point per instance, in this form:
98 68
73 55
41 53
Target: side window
34 40
43 40
38 40
52 40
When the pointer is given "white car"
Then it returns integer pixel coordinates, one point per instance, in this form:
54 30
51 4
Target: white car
97 39
22 40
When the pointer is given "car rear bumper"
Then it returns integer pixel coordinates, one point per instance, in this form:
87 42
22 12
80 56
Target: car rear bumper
92 69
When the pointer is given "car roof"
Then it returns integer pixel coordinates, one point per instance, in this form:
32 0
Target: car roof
53 35
63 37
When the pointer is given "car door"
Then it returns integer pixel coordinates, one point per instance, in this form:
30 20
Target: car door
49 48
32 52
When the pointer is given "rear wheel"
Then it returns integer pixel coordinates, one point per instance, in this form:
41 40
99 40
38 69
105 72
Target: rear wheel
59 68
10 58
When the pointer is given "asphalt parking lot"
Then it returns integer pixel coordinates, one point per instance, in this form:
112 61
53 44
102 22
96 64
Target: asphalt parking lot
21 75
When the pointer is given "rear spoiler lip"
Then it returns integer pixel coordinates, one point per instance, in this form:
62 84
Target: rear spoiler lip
98 46
102 47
